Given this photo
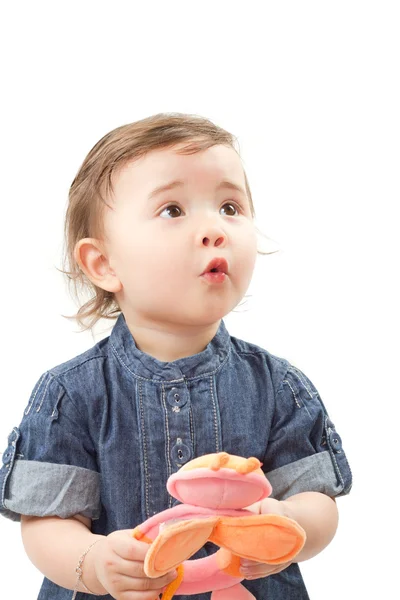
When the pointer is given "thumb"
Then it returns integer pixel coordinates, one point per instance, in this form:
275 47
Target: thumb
254 508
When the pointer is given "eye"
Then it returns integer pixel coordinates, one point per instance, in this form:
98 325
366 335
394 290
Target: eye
233 209
172 211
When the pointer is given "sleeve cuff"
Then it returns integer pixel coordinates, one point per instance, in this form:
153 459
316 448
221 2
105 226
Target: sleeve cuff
314 473
47 489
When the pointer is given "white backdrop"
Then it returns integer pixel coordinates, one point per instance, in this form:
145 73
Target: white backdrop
311 89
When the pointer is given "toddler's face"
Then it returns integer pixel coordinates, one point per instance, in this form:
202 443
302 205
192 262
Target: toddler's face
160 243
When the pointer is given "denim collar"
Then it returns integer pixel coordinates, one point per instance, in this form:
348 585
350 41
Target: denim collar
143 365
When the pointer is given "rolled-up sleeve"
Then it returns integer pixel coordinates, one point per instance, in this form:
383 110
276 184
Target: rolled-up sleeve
49 466
305 451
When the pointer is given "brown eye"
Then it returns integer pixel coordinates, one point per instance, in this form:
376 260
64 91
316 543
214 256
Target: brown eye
231 208
172 211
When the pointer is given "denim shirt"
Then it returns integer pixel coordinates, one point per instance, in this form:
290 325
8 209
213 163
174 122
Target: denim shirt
103 431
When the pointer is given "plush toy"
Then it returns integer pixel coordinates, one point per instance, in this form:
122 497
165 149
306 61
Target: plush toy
214 490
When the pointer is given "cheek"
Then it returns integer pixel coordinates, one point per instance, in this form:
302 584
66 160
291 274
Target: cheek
248 249
141 264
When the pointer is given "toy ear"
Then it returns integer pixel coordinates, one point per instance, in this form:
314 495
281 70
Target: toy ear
272 539
176 543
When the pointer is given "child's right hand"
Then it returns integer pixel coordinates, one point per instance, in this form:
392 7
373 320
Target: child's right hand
118 561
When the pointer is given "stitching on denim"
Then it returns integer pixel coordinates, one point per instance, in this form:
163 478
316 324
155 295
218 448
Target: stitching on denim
293 392
301 377
44 393
76 366
338 470
11 463
140 377
60 396
332 453
181 380
83 418
3 488
191 425
210 373
27 410
146 466
215 416
167 444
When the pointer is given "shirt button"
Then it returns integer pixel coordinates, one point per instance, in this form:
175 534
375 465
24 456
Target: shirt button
177 398
7 456
336 441
180 453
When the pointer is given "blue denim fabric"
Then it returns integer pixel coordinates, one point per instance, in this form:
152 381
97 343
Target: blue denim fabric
102 433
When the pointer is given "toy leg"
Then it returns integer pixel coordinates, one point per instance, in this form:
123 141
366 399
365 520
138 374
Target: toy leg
176 543
271 539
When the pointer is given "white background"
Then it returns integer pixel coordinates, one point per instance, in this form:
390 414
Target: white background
311 90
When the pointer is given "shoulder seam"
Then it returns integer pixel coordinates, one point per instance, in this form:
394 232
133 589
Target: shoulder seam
63 387
51 371
302 379
55 377
265 353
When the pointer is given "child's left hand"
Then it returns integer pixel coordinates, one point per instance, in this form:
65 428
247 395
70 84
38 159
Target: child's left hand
252 569
255 570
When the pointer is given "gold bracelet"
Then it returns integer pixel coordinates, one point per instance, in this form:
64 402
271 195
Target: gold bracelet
79 571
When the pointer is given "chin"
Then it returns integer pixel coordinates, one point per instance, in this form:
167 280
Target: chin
211 316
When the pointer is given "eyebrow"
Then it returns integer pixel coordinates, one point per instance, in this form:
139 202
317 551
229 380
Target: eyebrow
179 183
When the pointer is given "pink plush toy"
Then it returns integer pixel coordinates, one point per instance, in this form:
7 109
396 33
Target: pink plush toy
214 490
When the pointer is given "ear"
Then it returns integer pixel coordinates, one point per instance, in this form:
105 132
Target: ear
92 259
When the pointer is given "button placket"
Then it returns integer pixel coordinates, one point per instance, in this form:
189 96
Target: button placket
179 401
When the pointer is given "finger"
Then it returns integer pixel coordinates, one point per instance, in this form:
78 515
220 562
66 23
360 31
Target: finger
258 567
263 570
127 546
120 566
246 563
123 583
133 568
254 508
260 572
251 567
151 595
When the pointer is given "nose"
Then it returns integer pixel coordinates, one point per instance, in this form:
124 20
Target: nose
212 236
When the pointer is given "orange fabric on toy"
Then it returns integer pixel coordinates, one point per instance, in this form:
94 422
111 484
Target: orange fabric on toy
271 539
214 490
176 543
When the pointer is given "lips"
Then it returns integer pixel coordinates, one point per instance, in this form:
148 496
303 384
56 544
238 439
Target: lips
217 265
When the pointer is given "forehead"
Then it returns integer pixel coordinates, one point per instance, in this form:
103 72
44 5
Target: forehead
161 166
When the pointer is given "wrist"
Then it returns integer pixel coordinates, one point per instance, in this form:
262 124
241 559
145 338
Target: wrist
90 577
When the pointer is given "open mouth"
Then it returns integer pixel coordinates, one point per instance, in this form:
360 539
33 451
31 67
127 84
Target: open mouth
216 271
217 265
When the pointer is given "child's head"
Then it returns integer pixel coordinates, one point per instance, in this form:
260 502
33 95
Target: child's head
142 250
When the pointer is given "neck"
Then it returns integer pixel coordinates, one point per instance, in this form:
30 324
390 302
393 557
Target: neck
170 341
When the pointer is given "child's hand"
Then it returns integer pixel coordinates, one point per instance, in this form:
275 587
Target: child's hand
118 561
269 506
250 568
254 570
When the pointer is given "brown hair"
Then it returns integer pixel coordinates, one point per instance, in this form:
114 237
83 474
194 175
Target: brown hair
93 183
